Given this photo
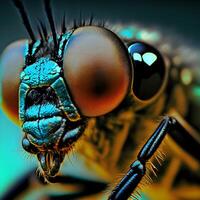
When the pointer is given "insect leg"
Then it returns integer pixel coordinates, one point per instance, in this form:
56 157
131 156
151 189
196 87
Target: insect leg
137 169
185 136
21 186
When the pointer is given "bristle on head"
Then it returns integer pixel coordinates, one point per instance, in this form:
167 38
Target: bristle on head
75 24
44 30
63 29
40 33
91 20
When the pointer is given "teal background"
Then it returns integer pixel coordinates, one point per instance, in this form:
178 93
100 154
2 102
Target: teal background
14 161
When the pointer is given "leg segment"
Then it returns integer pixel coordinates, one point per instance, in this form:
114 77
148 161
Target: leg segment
178 132
30 182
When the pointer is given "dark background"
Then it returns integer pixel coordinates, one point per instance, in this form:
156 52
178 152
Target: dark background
178 17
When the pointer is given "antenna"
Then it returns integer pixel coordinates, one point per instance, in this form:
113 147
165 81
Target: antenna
51 22
25 19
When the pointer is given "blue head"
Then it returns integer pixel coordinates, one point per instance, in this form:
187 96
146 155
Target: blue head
50 120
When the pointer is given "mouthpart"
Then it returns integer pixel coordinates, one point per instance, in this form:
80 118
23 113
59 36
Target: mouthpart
50 162
51 151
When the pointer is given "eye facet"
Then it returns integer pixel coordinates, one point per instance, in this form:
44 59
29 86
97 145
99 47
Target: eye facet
97 70
149 70
11 63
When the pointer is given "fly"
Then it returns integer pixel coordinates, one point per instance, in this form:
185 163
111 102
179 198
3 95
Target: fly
83 81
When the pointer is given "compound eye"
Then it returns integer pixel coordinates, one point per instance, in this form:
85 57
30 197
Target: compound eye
97 69
149 70
11 63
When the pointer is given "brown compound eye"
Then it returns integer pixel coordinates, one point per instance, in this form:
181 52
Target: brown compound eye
97 70
11 63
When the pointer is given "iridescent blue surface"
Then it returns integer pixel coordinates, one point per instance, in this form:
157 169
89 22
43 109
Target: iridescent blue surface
42 128
41 73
